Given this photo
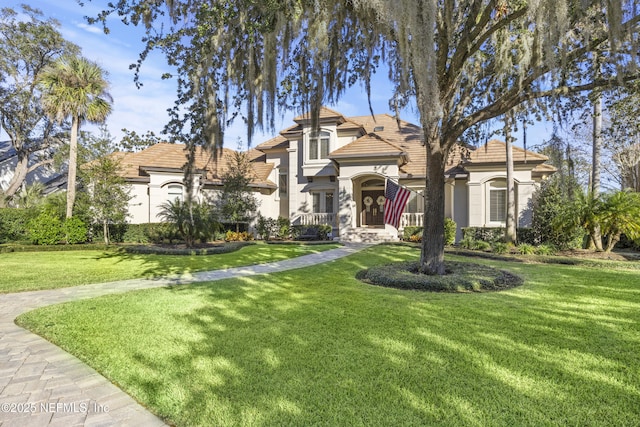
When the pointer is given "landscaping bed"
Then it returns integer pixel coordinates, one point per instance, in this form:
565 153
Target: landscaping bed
459 277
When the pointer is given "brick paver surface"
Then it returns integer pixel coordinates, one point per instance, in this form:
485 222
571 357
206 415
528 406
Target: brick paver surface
42 385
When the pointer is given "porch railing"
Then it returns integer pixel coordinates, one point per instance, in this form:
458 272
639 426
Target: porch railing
411 220
316 219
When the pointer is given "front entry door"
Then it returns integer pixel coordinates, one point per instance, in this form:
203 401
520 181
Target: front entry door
372 208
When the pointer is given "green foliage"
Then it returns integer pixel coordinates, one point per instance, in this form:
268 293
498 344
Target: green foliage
312 232
192 220
460 277
236 202
13 224
238 236
266 227
28 44
108 191
546 250
45 229
553 221
284 227
74 231
526 249
620 214
410 231
499 248
486 234
215 250
449 231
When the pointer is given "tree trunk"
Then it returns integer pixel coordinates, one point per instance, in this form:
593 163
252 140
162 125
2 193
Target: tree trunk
19 174
105 232
432 255
510 233
73 164
595 166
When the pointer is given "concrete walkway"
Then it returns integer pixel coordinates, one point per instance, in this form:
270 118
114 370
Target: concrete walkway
42 385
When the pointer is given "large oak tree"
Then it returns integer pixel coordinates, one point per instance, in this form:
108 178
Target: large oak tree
28 44
462 61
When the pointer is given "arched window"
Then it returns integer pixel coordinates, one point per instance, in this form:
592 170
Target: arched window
174 191
319 145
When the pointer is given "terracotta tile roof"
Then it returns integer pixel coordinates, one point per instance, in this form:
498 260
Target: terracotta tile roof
324 113
370 145
385 136
402 134
275 142
172 157
494 151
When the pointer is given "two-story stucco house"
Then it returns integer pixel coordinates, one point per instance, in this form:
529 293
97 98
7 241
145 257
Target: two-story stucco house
336 175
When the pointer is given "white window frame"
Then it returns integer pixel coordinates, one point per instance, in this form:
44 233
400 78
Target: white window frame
497 209
325 202
320 140
172 191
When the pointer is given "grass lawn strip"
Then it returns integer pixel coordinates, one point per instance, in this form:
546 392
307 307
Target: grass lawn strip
28 271
316 346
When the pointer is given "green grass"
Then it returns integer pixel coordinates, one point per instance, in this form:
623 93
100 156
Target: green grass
317 347
26 271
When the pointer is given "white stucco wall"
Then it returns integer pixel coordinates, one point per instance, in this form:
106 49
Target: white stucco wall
478 187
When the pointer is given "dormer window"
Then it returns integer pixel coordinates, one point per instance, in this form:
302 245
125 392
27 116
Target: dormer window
319 146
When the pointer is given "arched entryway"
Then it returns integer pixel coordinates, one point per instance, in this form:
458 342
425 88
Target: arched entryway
370 202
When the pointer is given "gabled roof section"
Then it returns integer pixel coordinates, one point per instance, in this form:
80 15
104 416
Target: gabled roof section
370 145
323 115
172 158
494 151
275 142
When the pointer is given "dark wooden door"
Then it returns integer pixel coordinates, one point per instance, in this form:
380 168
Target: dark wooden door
372 207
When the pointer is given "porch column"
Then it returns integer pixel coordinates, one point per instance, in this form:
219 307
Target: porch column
346 206
292 176
476 204
449 208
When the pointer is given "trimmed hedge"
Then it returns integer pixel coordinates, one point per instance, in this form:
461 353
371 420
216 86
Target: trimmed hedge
212 250
414 233
460 277
311 232
496 234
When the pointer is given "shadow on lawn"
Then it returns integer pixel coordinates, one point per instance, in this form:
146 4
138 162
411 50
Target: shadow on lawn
286 350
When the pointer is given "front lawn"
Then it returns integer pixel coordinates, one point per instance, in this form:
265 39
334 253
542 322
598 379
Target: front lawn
27 271
316 346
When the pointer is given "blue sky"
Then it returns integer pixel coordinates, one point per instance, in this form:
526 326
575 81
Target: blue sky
144 109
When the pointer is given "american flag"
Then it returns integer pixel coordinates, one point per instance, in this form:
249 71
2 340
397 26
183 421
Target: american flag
397 197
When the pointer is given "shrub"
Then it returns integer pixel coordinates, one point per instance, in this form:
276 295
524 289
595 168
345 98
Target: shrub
449 231
416 238
242 236
487 234
460 277
74 231
45 229
545 250
468 242
526 249
552 215
481 245
284 228
528 235
499 248
13 224
312 232
266 227
411 231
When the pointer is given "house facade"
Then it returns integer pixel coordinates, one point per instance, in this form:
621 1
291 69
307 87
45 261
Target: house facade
335 174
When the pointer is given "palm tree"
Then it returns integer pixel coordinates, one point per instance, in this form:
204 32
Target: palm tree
75 87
